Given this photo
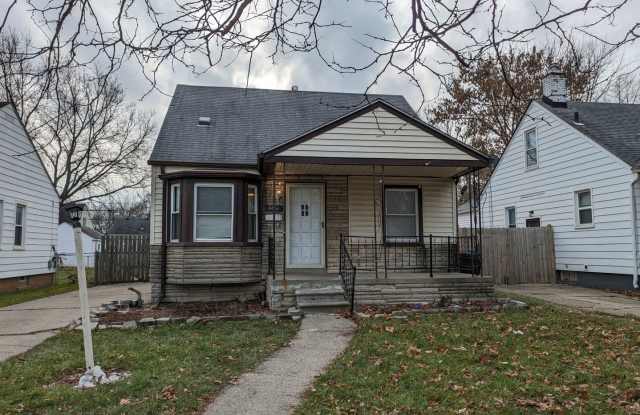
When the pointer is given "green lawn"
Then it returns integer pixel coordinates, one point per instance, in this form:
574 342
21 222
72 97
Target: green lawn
174 369
61 284
546 359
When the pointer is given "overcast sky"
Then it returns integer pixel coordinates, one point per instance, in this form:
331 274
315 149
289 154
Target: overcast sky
307 71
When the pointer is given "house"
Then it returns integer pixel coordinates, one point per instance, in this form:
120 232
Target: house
574 166
129 226
278 193
28 209
66 246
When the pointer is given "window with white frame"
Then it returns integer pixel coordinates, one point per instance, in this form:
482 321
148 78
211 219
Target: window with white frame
584 210
531 145
18 236
252 213
401 212
510 217
213 213
174 214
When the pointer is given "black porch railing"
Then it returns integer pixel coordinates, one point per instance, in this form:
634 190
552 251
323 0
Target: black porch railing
271 256
432 254
347 272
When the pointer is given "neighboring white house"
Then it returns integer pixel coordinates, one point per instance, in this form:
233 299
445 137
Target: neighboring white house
28 209
574 166
66 242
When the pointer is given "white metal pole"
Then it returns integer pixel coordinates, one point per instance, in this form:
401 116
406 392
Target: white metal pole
84 299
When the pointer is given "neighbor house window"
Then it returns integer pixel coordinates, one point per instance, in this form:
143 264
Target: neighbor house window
18 236
531 143
584 211
252 213
510 217
174 215
401 213
213 213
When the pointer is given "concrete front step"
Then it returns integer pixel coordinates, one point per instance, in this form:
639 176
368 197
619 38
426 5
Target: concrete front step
329 299
321 307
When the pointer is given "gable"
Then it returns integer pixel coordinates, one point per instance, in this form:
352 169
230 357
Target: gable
18 154
377 134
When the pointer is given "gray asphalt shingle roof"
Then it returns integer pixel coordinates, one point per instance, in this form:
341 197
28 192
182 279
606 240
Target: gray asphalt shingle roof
615 127
245 122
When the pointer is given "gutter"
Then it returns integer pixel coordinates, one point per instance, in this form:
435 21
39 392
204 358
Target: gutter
634 230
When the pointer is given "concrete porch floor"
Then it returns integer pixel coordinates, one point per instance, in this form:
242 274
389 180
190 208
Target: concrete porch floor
392 277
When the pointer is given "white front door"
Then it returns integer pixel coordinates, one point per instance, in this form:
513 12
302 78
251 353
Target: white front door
305 218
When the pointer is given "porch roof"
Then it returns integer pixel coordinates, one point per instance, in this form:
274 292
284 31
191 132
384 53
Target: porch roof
377 134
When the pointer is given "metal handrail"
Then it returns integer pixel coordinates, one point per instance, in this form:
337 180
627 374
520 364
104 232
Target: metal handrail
347 273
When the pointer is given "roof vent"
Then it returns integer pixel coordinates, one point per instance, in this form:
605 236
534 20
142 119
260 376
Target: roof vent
204 121
294 88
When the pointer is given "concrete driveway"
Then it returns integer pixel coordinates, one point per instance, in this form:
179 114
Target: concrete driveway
22 326
586 299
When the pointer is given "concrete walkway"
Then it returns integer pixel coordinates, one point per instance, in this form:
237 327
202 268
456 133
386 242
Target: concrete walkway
24 325
585 299
278 384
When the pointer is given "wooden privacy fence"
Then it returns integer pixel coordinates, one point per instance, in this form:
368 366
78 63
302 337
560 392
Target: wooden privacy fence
122 258
518 255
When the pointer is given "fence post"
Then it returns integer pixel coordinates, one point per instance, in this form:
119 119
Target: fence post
431 255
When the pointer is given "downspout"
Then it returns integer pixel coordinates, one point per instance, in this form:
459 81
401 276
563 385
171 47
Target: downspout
634 235
163 245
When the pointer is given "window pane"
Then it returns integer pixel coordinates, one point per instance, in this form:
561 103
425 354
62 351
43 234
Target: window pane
400 226
400 202
531 139
584 199
175 226
175 198
17 239
532 157
213 227
19 214
253 219
214 199
511 217
585 217
251 200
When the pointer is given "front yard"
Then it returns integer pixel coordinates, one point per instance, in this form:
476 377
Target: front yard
546 359
174 369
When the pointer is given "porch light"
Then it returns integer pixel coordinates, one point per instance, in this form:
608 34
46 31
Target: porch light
75 212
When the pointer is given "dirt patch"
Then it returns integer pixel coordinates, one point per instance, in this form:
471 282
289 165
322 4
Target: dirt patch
443 305
231 308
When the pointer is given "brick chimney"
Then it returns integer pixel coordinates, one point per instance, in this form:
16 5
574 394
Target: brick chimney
554 87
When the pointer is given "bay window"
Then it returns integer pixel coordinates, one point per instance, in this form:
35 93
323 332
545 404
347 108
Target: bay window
213 212
401 214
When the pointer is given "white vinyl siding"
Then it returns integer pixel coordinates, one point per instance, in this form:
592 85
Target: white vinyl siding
438 204
572 162
377 134
24 181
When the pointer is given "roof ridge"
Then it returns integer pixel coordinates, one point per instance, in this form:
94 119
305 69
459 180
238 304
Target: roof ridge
287 90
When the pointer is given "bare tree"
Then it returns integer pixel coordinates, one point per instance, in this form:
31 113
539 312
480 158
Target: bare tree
185 32
126 205
484 102
91 140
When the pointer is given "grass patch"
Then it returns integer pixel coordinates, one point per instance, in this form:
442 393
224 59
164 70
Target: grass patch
174 368
564 361
61 284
